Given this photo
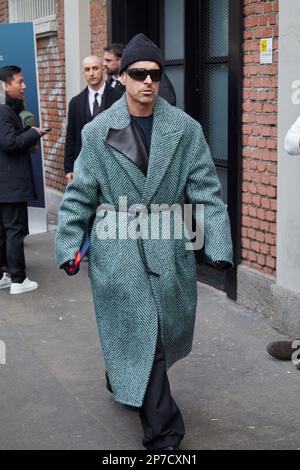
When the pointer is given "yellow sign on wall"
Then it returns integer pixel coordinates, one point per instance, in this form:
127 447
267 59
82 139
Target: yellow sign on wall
264 45
266 51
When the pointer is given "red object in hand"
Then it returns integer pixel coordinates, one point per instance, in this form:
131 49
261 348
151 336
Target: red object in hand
72 267
76 262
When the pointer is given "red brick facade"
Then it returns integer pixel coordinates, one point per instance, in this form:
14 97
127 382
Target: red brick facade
259 138
51 60
3 11
98 10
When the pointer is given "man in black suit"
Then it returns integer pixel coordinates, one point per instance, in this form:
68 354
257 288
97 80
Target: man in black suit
94 99
16 182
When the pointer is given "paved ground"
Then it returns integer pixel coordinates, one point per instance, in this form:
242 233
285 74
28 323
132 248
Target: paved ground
52 388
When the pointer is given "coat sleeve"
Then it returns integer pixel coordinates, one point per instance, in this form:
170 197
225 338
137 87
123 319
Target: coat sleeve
203 187
292 139
12 140
70 139
78 206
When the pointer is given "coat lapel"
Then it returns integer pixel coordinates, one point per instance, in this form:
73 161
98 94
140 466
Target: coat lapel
125 151
106 98
128 142
165 139
86 112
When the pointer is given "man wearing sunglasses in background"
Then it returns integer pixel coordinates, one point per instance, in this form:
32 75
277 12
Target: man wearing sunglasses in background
145 290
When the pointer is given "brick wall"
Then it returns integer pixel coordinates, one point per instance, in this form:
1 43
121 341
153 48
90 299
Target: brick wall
98 9
3 11
259 138
51 66
51 69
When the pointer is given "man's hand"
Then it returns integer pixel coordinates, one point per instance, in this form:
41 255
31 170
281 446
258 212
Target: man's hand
70 177
70 268
40 131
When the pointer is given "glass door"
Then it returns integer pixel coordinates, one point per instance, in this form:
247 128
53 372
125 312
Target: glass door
206 94
214 60
172 44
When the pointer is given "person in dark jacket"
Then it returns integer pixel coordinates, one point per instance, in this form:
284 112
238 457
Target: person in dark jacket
94 99
16 182
111 63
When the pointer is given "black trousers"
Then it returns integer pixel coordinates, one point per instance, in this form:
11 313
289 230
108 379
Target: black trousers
161 419
13 230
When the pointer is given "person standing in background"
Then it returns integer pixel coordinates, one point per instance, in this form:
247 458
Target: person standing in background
111 63
95 98
16 182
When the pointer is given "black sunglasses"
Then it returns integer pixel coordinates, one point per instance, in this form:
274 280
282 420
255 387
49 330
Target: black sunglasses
140 75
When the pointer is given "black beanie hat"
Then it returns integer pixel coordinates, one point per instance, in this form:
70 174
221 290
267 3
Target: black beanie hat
138 49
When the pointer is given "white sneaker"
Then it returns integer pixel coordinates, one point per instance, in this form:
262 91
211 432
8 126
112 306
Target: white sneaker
25 286
5 281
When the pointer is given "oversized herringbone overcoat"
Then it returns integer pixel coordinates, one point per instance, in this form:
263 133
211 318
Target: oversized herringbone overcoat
140 288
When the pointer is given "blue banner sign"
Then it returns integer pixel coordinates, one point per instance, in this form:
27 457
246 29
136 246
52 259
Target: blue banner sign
17 47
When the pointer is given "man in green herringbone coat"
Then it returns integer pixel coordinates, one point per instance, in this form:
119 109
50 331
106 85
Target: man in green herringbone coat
153 156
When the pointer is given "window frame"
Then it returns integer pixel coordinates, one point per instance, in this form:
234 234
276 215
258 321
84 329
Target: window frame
44 25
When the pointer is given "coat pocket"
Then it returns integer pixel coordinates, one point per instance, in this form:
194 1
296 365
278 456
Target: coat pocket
104 243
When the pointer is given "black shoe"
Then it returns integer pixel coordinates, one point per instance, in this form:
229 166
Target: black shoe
281 350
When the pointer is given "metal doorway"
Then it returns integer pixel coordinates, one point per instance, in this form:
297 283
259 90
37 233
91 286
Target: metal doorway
201 41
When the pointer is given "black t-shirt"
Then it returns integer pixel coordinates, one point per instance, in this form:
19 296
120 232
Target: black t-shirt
144 127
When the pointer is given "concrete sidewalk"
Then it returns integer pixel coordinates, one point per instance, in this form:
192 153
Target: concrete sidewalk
52 388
